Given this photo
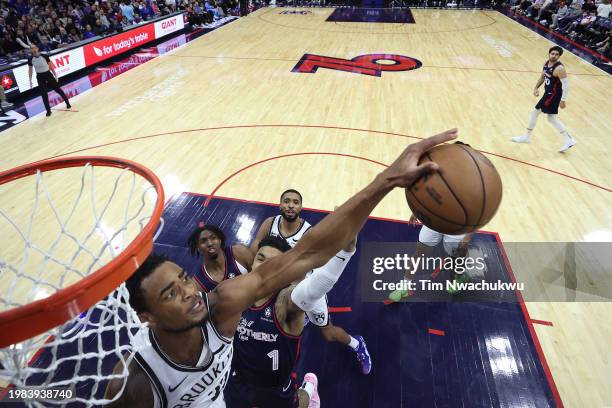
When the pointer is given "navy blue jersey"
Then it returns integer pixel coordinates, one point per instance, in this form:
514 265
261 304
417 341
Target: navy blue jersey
552 84
232 269
264 355
549 102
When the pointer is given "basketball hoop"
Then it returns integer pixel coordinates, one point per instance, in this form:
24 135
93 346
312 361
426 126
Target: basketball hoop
60 290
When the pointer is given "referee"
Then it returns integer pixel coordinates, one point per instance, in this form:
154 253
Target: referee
46 77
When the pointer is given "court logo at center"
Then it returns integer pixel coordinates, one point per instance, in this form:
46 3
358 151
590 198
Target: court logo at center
369 64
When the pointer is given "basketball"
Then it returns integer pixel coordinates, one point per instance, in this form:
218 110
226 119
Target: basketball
462 196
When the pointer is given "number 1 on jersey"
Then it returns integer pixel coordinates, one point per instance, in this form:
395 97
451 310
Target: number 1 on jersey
274 356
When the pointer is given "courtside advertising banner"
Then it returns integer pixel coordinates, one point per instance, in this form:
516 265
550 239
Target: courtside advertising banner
118 44
68 62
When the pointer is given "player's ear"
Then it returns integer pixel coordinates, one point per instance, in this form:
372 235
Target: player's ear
147 317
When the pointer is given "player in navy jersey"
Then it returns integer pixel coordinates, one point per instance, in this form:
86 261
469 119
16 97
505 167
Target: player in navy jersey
220 261
267 341
291 227
556 89
194 331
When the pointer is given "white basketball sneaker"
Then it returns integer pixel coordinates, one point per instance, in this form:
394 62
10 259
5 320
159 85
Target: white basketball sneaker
568 144
521 139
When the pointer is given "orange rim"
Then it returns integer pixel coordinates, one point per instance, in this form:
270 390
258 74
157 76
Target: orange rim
24 322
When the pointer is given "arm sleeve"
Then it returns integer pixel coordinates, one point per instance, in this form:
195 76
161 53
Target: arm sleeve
565 88
306 294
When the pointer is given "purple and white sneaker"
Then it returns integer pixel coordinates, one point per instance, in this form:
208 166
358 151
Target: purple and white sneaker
363 356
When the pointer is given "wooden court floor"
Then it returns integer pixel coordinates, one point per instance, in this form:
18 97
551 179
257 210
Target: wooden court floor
230 100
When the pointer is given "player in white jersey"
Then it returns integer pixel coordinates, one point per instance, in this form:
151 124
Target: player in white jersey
291 227
287 225
180 318
454 245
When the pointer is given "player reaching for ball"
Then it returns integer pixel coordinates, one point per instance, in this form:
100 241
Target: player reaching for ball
188 359
556 88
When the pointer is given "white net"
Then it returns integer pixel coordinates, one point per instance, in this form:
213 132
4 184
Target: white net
57 228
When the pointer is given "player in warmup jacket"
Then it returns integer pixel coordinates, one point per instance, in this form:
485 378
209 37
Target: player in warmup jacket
187 359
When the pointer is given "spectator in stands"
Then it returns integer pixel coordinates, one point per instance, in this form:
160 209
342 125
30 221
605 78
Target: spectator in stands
45 45
579 27
171 4
562 11
589 6
574 12
603 10
545 13
23 40
104 21
89 33
208 6
603 47
128 12
74 36
145 11
220 11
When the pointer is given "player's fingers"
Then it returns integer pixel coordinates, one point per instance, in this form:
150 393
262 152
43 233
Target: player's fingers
424 168
432 141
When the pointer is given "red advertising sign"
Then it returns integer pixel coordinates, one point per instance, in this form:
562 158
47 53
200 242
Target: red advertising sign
8 82
109 47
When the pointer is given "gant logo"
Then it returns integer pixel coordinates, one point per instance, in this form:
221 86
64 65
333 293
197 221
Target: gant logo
168 24
369 64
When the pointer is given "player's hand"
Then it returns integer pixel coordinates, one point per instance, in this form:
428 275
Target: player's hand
562 105
536 92
413 220
405 170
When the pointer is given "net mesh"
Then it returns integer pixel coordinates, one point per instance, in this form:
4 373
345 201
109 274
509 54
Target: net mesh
54 238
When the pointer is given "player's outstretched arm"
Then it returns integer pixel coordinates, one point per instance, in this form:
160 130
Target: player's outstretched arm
323 241
261 234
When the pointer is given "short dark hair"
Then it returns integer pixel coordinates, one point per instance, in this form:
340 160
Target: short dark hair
134 282
274 242
556 48
194 238
291 191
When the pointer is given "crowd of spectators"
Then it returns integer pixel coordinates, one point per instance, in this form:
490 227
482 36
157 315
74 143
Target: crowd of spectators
584 21
52 24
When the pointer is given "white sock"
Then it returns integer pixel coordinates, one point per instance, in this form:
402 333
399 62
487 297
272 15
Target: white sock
533 119
559 126
353 343
308 388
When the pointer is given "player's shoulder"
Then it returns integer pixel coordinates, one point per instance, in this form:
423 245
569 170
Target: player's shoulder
137 391
268 221
559 67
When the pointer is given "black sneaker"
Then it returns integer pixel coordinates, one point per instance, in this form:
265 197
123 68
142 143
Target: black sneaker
48 113
68 105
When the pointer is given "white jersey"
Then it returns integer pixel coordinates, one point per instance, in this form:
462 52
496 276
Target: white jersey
179 386
292 239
